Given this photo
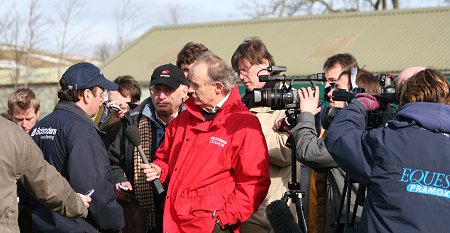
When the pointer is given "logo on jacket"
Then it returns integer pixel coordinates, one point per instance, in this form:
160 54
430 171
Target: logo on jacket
426 182
218 141
45 133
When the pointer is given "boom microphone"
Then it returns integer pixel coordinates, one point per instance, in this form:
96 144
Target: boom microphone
133 135
280 218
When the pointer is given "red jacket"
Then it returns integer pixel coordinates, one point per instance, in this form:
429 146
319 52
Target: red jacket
213 166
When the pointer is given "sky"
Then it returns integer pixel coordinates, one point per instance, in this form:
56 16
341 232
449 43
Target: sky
96 20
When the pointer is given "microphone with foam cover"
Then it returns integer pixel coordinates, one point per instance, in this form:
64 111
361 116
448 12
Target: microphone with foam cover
133 135
280 218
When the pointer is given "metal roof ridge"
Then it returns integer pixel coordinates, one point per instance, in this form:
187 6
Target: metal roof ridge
303 17
243 22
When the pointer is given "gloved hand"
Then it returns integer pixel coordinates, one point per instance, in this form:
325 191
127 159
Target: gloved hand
369 101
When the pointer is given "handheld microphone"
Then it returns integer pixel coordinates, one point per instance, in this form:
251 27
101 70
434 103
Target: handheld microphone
280 218
132 133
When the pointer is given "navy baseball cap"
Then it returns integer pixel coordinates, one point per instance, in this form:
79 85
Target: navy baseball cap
169 75
85 75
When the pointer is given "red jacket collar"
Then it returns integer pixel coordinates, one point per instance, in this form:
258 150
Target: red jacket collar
234 100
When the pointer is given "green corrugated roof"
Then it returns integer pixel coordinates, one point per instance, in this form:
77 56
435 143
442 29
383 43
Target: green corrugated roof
384 41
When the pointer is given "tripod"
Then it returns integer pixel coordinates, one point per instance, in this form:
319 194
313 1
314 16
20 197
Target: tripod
347 195
294 192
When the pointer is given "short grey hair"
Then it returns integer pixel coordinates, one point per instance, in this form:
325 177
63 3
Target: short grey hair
218 70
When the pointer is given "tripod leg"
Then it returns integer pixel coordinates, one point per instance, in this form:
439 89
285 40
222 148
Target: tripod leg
360 197
341 206
297 200
349 201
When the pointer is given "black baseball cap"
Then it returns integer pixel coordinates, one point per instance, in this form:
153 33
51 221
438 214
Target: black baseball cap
169 75
85 75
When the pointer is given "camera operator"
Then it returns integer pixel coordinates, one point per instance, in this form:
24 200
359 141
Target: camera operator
317 180
252 57
404 164
311 150
333 67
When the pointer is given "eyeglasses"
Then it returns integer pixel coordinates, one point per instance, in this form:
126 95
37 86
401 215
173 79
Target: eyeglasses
98 92
104 96
246 69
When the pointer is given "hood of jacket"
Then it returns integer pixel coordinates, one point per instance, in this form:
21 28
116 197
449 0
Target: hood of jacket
431 116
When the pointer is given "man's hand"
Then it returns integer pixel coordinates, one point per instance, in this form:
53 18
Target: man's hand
125 186
151 171
281 126
123 106
85 199
309 100
123 191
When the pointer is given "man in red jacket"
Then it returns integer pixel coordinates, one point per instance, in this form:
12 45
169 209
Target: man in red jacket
213 157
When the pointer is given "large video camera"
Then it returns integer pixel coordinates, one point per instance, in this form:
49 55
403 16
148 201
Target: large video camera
286 97
374 119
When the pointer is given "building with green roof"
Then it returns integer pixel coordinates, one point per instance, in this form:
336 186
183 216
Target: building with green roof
382 41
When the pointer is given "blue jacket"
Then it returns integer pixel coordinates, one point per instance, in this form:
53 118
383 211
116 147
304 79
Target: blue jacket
71 143
405 166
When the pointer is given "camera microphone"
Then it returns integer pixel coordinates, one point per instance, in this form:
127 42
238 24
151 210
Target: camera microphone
267 78
276 68
132 133
280 218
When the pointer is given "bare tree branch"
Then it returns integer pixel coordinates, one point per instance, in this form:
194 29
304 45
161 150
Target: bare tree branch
68 10
175 12
280 8
126 25
103 51
124 19
34 33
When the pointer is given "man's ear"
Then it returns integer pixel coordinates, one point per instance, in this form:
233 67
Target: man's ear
87 96
184 90
218 87
38 113
266 63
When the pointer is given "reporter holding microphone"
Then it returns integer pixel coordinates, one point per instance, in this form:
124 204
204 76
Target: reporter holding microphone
141 133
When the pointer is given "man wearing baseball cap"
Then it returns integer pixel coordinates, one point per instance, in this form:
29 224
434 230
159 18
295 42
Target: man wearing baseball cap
168 90
71 143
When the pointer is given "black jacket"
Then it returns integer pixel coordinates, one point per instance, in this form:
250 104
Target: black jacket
71 143
121 151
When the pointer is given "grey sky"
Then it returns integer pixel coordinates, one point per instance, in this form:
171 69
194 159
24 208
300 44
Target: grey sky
96 20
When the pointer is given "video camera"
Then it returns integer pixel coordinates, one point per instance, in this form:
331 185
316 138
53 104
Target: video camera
374 119
286 97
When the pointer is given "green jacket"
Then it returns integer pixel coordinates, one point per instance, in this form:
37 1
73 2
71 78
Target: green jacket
21 160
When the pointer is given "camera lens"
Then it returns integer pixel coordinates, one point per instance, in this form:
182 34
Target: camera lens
276 98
